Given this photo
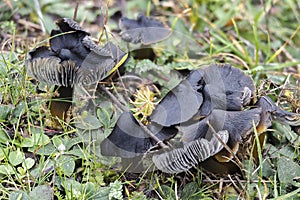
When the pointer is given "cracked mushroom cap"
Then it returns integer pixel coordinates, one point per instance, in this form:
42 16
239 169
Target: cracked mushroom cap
73 58
143 30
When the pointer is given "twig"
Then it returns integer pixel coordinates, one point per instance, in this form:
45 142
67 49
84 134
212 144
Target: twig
235 186
208 179
39 12
29 24
283 46
290 57
122 83
157 140
47 130
75 10
221 185
235 57
114 99
104 22
286 82
238 162
239 181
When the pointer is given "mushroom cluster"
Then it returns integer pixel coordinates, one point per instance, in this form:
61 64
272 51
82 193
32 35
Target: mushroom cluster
212 111
73 58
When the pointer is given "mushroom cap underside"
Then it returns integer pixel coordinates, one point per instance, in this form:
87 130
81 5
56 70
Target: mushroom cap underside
52 70
181 159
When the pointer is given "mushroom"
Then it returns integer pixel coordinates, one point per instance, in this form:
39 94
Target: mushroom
214 110
223 108
131 142
128 139
220 163
213 87
189 155
143 30
181 103
235 123
73 59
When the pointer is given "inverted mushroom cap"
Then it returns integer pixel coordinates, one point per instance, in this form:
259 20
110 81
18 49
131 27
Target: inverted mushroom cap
100 63
73 58
52 70
181 159
143 30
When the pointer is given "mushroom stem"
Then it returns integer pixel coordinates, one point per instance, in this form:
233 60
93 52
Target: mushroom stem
75 10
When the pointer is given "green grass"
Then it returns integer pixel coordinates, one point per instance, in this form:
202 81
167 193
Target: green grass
35 159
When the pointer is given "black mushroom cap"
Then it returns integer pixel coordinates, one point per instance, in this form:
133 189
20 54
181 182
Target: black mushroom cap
143 30
269 111
213 87
181 103
67 24
69 46
73 58
226 87
238 124
51 69
129 140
